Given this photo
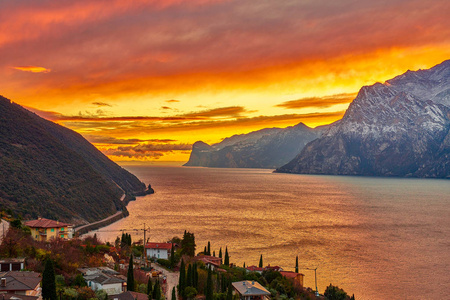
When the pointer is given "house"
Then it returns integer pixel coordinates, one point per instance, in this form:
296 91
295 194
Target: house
104 278
255 269
210 261
158 250
20 283
250 290
9 296
296 277
273 268
45 229
129 296
12 264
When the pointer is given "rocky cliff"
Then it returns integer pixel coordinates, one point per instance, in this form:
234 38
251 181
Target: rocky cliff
399 128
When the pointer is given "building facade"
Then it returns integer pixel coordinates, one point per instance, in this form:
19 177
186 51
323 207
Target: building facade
158 250
45 229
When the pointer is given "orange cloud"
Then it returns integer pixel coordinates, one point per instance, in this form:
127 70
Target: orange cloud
32 69
319 102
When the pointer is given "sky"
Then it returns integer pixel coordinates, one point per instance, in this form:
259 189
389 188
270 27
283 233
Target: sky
143 80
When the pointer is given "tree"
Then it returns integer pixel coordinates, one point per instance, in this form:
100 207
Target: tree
79 281
244 264
182 280
149 286
209 286
188 244
174 295
48 281
172 256
209 249
130 275
227 258
190 292
214 253
230 293
296 264
205 252
157 291
220 252
189 276
195 276
335 293
260 262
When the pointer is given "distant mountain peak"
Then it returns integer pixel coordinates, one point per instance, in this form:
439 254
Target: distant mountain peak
399 128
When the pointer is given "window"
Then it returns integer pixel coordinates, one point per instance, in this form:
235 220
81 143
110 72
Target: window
53 229
62 236
62 229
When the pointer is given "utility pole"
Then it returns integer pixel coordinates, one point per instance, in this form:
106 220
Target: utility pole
145 242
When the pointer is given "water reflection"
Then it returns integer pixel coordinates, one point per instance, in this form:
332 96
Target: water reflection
375 237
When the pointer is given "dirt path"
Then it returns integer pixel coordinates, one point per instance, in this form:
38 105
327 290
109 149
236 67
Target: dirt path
172 280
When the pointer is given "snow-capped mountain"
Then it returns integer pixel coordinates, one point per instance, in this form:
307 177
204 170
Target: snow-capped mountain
399 128
266 148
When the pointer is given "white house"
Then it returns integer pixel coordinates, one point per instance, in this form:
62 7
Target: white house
104 279
158 250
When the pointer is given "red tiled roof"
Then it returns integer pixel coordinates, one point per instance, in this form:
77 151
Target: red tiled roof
254 268
215 261
159 246
273 268
290 274
45 223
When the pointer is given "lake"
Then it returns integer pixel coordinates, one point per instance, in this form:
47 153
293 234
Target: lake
379 238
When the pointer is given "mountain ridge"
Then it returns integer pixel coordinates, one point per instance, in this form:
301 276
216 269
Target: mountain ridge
51 171
265 148
399 128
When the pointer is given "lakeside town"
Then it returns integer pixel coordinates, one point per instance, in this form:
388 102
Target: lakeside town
48 259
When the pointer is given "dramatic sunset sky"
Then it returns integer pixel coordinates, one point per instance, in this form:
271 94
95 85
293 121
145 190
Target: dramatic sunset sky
144 80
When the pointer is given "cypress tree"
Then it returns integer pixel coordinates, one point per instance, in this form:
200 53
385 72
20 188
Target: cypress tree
204 251
130 275
157 291
209 248
174 295
260 262
149 286
220 252
209 286
214 253
48 281
182 281
172 257
244 264
227 258
230 293
189 276
195 277
296 264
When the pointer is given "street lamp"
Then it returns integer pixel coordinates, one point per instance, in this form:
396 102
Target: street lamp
315 277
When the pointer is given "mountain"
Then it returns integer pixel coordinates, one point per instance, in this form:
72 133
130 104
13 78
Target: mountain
51 171
399 128
266 148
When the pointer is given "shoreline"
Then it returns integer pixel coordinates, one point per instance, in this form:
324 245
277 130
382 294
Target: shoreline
120 214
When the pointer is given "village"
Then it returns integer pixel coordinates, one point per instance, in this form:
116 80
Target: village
85 268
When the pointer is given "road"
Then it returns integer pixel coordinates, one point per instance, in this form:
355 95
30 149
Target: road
172 279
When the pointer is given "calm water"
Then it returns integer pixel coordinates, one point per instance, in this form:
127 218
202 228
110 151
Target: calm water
375 237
